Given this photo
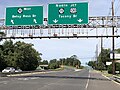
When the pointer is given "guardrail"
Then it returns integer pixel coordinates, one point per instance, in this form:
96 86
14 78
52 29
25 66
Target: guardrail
116 78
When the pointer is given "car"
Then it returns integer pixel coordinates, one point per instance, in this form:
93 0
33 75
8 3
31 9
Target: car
18 70
8 69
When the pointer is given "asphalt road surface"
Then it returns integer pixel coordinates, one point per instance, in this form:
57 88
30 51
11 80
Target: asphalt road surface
68 79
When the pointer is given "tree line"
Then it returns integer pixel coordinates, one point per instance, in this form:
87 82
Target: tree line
22 55
70 61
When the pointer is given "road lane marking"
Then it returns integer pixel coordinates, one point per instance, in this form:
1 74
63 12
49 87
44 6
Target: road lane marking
111 80
87 81
3 82
77 70
106 77
25 79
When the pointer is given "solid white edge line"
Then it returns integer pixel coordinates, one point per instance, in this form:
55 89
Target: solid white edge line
111 80
88 81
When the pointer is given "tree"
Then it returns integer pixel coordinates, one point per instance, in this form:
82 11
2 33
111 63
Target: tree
103 57
71 61
92 64
20 55
53 64
26 57
75 61
44 62
118 50
3 63
8 52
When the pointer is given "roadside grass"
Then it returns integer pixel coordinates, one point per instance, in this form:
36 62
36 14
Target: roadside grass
58 69
104 72
118 75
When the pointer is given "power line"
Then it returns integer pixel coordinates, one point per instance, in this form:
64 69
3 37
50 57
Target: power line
117 45
109 13
117 7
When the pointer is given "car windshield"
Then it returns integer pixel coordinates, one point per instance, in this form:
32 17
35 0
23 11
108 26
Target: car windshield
8 68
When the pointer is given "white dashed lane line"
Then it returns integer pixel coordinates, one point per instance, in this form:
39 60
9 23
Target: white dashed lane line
86 87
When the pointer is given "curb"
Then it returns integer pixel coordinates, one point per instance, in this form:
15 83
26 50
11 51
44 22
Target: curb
26 74
32 73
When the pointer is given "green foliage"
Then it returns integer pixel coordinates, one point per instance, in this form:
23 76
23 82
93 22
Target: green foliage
117 68
2 34
25 57
103 57
72 61
3 64
20 55
28 57
81 67
118 50
44 62
110 69
53 64
92 64
8 52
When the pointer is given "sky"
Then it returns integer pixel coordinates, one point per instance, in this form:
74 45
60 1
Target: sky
62 48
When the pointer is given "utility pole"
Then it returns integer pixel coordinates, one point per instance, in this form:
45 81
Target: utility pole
101 52
101 47
96 52
113 40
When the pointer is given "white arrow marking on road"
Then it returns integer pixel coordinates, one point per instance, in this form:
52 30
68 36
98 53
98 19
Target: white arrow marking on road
12 21
80 20
55 21
34 20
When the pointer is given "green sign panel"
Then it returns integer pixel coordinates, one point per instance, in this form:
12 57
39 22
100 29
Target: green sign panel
68 13
29 15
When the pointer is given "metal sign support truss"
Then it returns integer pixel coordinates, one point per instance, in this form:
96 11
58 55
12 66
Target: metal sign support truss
94 23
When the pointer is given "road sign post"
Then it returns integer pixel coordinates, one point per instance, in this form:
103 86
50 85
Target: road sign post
68 13
29 15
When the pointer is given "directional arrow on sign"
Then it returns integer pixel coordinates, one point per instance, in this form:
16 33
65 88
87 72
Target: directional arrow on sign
55 21
12 21
80 20
34 20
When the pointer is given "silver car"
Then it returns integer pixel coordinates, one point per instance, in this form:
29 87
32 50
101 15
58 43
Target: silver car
8 69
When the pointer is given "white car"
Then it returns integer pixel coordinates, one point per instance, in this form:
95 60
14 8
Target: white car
18 70
8 69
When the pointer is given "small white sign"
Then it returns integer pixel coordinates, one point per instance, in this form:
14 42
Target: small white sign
108 63
117 56
117 72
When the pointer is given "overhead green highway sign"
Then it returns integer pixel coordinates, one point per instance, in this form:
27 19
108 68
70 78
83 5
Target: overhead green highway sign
68 13
28 15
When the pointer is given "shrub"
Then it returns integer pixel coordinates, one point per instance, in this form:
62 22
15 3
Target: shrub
117 68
